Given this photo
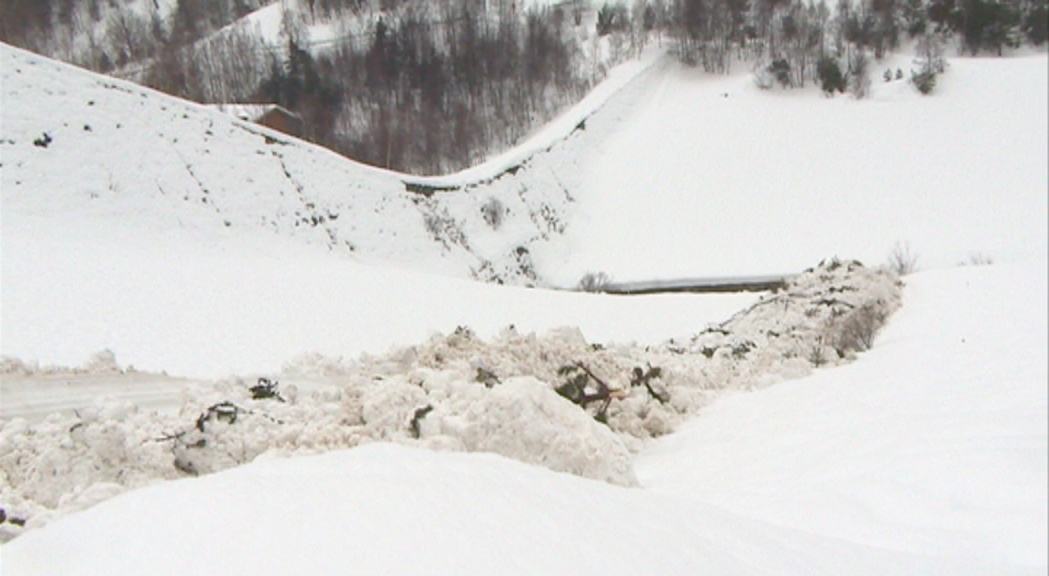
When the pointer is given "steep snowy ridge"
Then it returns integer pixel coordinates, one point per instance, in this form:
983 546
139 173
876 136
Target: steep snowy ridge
111 149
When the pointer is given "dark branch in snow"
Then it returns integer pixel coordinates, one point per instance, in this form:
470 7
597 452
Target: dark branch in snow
420 413
575 389
644 378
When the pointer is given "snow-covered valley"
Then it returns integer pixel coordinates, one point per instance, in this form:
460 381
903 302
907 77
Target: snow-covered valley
204 253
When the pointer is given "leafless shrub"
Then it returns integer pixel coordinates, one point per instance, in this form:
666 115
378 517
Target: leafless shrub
902 260
817 355
492 211
857 329
594 282
977 259
859 75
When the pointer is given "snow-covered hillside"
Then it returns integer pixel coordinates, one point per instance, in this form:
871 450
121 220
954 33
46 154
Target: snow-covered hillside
120 152
751 181
182 228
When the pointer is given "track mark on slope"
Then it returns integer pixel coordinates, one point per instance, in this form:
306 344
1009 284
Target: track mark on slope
315 218
200 184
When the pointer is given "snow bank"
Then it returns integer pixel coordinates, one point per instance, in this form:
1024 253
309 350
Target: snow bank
926 457
455 392
934 442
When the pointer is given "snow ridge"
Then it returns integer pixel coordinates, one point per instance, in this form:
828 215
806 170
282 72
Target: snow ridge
454 392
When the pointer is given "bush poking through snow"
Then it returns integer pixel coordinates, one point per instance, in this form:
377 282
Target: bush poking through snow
779 70
930 62
594 282
828 72
903 260
857 329
640 377
417 417
859 75
486 377
977 259
818 354
924 81
10 526
492 212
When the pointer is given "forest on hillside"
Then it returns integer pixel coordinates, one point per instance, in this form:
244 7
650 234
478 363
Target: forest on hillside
432 87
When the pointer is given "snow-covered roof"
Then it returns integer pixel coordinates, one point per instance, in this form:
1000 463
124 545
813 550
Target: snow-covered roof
249 112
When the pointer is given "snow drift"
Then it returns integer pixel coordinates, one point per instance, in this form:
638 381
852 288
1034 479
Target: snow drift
454 392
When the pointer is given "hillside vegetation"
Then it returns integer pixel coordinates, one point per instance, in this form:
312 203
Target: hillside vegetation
429 88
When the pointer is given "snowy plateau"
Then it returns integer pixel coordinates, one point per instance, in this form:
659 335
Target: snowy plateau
163 264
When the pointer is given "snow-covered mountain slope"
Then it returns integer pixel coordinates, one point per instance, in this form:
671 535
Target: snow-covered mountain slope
110 240
78 143
710 176
927 456
189 242
663 158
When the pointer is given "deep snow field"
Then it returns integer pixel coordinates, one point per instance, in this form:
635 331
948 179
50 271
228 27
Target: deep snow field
204 252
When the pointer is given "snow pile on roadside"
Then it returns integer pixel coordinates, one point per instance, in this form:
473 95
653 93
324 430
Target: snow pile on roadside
925 457
828 313
454 392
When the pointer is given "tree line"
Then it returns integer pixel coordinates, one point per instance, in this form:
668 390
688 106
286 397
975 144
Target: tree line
431 93
791 42
431 87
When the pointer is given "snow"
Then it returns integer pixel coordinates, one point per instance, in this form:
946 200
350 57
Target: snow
934 442
179 241
455 392
755 182
150 245
927 456
388 509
